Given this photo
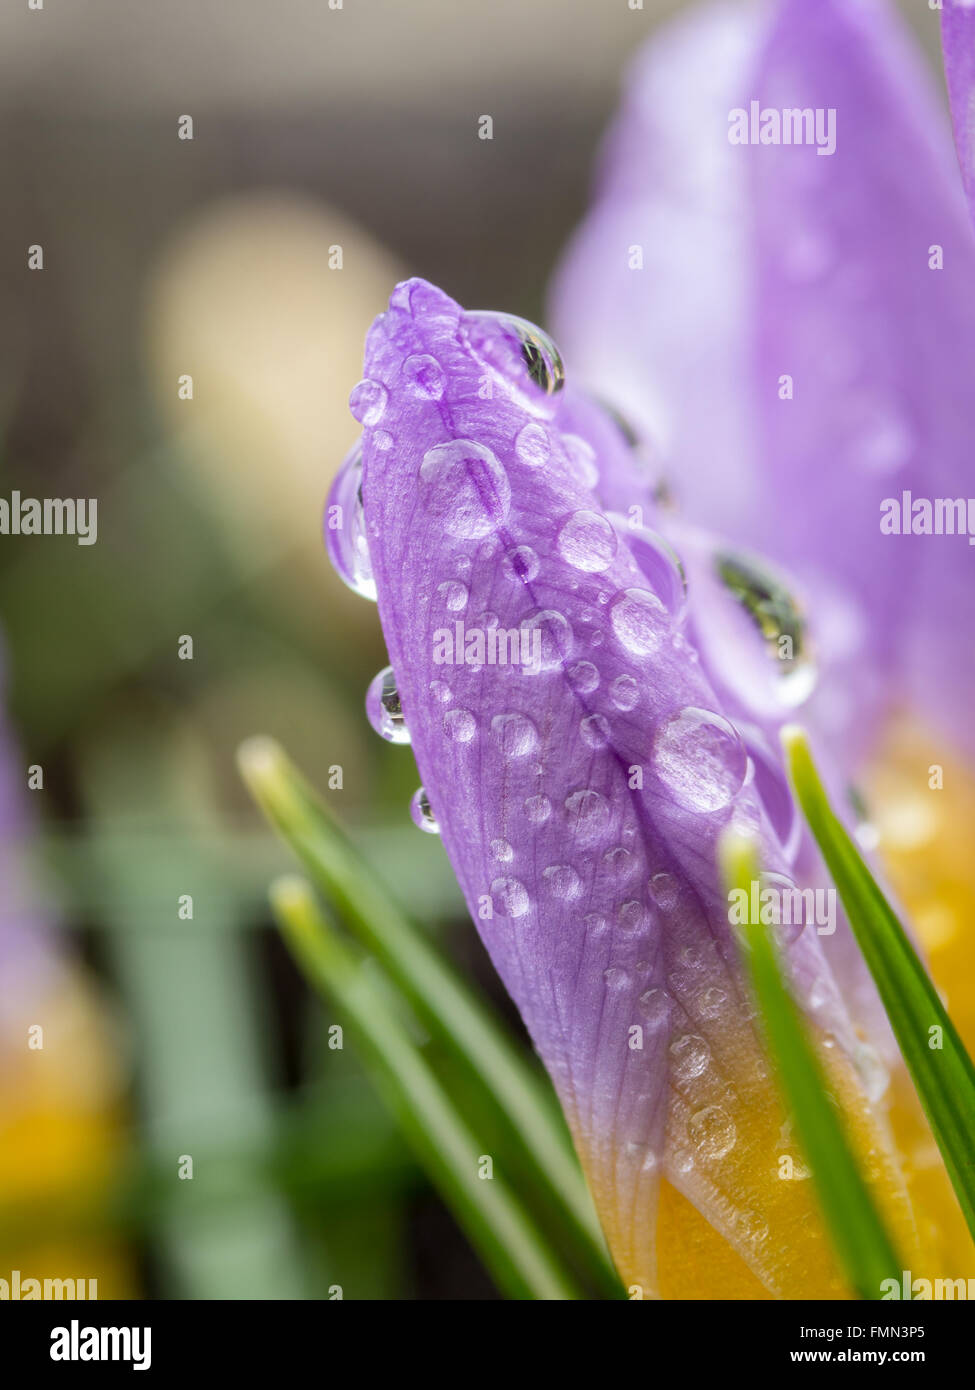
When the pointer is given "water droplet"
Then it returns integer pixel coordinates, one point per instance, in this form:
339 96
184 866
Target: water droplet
516 734
784 906
584 677
441 691
521 564
588 542
701 758
425 375
713 1131
510 897
383 709
467 490
383 440
634 917
594 729
656 1004
710 1001
345 527
615 977
502 851
516 350
639 621
588 815
563 881
595 924
658 562
421 813
581 457
819 992
783 667
532 444
620 862
459 725
691 1056
664 890
556 641
538 809
368 401
624 692
454 595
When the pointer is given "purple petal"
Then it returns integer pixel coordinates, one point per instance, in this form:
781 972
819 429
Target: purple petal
580 798
771 261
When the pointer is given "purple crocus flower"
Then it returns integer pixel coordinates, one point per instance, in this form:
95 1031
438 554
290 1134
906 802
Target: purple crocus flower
795 325
581 780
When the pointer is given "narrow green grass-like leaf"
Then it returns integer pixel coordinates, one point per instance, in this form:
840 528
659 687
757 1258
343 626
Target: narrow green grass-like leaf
857 1232
943 1075
497 1226
445 1005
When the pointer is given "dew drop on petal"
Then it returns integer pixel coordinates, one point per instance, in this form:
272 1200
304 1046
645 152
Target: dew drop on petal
421 813
713 1131
441 691
532 444
656 1005
588 815
510 897
502 851
776 671
562 881
556 640
634 917
425 376
584 677
515 733
624 692
454 595
521 564
639 621
538 809
691 1056
594 729
701 758
345 527
658 562
459 725
521 353
466 488
368 401
588 542
383 709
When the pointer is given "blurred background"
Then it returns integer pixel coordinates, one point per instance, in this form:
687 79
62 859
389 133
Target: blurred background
170 1037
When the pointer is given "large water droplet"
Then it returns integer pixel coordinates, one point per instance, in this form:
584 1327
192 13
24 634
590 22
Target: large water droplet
516 734
421 813
785 668
588 815
657 561
701 758
383 709
624 692
588 542
713 1131
345 527
368 401
514 349
639 620
467 490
